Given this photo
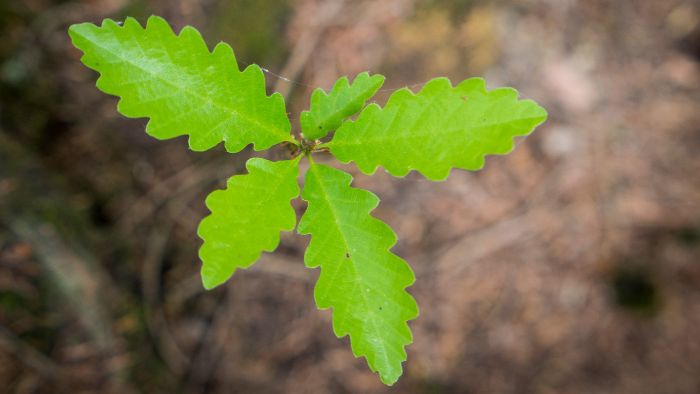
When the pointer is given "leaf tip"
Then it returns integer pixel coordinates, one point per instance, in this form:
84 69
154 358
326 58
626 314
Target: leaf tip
157 20
209 282
390 379
72 29
76 30
379 78
212 276
544 115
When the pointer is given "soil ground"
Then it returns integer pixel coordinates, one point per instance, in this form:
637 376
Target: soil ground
569 266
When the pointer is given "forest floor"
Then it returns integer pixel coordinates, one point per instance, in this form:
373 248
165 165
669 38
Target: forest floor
569 266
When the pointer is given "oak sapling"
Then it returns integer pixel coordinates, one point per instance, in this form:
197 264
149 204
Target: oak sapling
186 89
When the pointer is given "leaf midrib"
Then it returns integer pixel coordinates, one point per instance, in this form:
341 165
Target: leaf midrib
340 111
314 168
268 197
380 138
232 112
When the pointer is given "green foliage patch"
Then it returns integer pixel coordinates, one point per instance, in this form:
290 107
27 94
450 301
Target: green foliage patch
186 89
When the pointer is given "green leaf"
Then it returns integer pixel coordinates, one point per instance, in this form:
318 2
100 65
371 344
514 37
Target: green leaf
437 129
247 217
181 86
360 278
327 111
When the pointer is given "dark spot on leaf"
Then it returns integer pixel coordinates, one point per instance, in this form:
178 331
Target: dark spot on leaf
347 255
380 308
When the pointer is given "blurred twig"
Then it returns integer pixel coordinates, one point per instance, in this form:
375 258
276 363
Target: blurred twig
157 324
26 353
306 43
37 212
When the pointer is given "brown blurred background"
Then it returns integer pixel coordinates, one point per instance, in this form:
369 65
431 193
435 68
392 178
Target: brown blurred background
570 266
